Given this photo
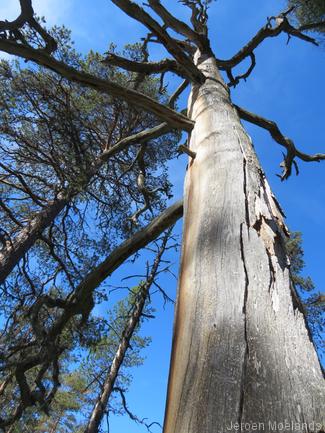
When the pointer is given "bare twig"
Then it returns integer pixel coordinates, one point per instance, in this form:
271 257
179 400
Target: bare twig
130 414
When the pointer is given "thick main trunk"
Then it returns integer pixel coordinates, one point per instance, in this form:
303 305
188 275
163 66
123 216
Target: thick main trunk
241 351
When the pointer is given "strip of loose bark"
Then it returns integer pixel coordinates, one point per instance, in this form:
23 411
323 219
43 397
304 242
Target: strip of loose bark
174 119
108 386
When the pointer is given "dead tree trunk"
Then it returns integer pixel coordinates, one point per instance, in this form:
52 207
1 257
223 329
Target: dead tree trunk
241 350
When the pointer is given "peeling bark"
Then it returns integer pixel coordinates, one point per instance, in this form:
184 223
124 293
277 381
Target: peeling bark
241 351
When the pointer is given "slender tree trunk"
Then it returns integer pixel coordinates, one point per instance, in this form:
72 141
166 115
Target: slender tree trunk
108 386
134 320
241 351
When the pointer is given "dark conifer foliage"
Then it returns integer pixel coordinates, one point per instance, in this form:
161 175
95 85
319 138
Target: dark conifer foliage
310 14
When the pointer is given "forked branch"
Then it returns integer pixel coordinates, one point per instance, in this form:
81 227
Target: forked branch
273 27
185 62
198 38
26 13
12 28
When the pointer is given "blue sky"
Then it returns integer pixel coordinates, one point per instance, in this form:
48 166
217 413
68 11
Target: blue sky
286 86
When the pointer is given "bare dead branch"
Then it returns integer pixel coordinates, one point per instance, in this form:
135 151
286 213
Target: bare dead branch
177 93
184 149
176 120
199 14
286 142
26 14
166 65
269 30
233 81
135 11
180 27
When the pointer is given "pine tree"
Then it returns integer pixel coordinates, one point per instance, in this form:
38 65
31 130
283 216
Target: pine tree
241 345
310 14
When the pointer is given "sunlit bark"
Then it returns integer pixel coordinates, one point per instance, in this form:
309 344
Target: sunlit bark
241 351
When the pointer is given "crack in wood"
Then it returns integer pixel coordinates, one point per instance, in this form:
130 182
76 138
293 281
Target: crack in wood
246 354
272 270
246 195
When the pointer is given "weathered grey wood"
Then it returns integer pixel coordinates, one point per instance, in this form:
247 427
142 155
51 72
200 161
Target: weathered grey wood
241 352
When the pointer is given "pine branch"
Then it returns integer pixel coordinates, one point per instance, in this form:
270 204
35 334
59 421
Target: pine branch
312 26
12 253
134 319
46 348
